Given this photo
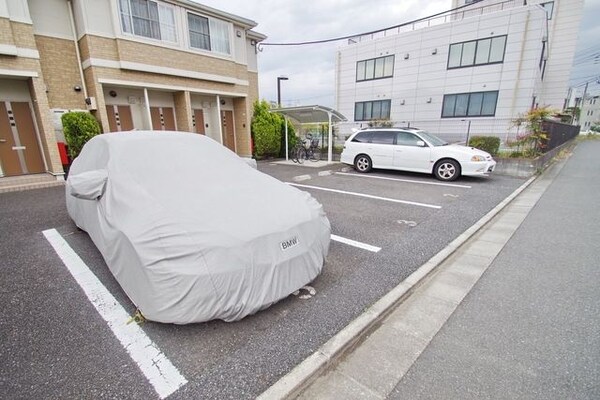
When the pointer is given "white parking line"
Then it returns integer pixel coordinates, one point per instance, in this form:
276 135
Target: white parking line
354 243
413 203
157 368
405 180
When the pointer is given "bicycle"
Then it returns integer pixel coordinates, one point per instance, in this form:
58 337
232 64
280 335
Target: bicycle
306 149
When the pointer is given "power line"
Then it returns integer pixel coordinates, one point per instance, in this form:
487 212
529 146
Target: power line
587 80
366 33
587 49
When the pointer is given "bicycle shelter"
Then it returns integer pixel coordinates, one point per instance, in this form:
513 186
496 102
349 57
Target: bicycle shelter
312 115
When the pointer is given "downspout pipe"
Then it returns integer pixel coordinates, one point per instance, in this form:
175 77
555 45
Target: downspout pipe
79 65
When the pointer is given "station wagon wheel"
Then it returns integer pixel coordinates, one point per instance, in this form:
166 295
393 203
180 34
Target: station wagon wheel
362 163
447 170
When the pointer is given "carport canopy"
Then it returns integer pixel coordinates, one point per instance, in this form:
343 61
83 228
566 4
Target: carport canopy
312 115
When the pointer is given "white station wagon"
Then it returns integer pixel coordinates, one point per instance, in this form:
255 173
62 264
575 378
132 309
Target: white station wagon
411 149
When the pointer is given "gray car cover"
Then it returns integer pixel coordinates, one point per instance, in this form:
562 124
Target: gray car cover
189 230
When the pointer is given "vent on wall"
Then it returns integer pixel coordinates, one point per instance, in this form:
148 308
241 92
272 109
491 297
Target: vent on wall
90 104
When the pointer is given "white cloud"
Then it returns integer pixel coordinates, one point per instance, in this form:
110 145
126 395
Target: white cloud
311 68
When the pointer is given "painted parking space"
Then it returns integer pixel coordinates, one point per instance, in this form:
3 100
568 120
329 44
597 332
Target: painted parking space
418 182
156 367
390 186
365 195
59 345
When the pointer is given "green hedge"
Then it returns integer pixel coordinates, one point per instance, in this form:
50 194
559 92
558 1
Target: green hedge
78 127
491 144
266 130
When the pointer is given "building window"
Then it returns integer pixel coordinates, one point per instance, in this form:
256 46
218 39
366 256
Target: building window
149 19
477 52
368 110
478 104
375 68
209 34
549 7
199 32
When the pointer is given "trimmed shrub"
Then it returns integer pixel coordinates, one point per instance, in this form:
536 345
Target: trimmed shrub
266 130
491 144
78 128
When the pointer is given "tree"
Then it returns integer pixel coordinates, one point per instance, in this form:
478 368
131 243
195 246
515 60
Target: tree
533 141
78 127
268 131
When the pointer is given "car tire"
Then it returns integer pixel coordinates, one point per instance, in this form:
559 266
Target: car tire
363 163
447 170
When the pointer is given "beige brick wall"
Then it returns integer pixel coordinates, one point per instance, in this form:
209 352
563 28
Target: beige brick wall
95 90
37 89
118 49
170 80
98 47
163 57
21 35
183 111
6 34
58 60
19 63
16 34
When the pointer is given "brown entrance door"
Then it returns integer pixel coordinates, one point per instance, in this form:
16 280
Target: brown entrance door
19 148
198 120
228 131
163 118
119 118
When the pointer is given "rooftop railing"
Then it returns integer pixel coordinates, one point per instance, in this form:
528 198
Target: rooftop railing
439 19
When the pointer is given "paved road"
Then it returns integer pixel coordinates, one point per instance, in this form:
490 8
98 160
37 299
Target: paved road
531 327
55 345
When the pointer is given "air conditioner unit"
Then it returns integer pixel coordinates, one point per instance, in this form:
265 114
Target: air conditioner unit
90 103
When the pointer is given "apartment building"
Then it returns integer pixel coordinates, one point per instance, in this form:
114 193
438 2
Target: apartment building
471 70
589 114
134 64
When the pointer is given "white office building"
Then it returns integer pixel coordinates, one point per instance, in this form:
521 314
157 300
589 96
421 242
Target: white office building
469 71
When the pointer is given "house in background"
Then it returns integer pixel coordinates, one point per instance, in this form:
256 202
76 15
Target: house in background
469 71
589 114
134 64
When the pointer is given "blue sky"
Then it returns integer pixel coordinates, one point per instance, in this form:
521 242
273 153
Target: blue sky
310 69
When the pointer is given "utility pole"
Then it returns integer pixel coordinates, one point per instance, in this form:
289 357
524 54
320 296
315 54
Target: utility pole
582 102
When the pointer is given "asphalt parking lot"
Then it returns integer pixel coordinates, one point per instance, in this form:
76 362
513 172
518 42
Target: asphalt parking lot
56 345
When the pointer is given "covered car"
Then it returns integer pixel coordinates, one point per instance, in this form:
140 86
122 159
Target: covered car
190 230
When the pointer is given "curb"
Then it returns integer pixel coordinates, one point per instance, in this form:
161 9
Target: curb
293 383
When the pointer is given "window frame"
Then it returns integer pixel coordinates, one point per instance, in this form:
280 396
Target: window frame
205 35
475 54
369 105
128 15
211 37
373 61
455 96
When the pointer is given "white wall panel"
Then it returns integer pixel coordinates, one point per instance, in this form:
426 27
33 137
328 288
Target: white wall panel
51 18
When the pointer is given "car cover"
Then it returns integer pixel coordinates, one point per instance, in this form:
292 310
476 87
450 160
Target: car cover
190 230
